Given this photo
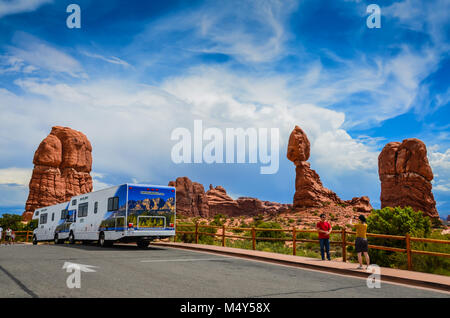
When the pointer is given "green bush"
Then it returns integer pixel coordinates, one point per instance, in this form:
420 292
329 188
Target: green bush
269 234
396 221
185 237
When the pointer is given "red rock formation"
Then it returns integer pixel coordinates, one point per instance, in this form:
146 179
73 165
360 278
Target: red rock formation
406 176
221 203
361 204
62 164
191 200
309 190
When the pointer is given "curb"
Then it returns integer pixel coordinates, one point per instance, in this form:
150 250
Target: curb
348 272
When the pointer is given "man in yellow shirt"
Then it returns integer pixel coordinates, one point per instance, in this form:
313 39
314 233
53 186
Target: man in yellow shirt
361 245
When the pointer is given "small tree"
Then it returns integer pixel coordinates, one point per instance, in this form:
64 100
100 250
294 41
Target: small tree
13 221
395 221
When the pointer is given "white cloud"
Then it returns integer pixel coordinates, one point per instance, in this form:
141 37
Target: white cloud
429 17
227 27
18 176
97 182
35 53
440 165
111 59
127 122
13 195
8 7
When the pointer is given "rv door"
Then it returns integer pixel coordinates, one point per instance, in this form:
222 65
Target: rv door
120 223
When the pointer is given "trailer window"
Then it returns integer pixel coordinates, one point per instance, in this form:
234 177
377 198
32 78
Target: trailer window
95 207
37 213
113 204
74 202
53 217
83 210
43 219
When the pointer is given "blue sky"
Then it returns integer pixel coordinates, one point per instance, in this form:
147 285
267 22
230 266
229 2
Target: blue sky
136 70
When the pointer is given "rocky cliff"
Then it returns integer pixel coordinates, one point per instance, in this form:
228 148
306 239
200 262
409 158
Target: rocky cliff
192 200
405 176
62 166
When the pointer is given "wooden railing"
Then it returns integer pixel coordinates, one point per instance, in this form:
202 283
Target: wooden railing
343 242
19 235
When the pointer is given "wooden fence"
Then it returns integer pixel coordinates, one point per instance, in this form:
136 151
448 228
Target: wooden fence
24 236
343 242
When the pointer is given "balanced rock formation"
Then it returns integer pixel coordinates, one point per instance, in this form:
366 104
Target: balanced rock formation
405 176
309 190
191 200
62 166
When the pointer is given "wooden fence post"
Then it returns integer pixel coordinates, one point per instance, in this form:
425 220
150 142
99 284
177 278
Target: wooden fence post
408 251
196 232
344 246
254 238
294 242
223 235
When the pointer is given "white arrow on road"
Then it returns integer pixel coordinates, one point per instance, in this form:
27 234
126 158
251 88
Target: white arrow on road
74 280
79 267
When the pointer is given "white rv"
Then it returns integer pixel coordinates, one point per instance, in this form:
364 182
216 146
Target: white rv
49 218
125 213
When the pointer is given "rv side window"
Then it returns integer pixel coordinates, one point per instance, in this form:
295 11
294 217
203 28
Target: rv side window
63 214
74 202
83 210
95 207
53 217
43 219
113 204
37 213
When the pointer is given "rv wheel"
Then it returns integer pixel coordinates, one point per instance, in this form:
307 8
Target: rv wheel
143 243
71 238
56 240
102 242
34 240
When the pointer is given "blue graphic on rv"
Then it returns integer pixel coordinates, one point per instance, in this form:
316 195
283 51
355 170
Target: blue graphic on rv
147 208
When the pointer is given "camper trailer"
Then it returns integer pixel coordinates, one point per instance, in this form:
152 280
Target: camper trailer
125 213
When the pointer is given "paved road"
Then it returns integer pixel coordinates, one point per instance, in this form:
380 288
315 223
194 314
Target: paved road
125 271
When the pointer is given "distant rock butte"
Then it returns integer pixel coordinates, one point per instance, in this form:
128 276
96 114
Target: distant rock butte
405 176
191 201
62 166
309 191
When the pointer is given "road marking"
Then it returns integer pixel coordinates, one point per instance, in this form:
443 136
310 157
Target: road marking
182 260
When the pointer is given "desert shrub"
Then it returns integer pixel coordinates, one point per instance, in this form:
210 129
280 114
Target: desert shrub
269 234
206 239
395 221
185 237
219 220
